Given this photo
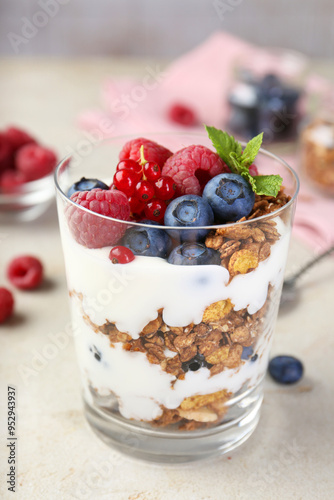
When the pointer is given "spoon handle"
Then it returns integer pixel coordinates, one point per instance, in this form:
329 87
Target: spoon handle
310 264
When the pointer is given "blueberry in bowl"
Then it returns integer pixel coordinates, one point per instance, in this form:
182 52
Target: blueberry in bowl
86 185
193 254
147 241
230 196
189 210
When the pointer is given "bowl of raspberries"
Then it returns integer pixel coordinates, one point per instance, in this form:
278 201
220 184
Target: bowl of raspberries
26 175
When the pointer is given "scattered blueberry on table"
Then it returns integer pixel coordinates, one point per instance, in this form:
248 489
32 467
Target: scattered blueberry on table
285 369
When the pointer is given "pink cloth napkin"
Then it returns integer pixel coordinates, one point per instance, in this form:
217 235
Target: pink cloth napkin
201 79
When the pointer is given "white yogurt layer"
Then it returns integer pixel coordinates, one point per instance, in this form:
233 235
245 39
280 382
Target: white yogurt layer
130 295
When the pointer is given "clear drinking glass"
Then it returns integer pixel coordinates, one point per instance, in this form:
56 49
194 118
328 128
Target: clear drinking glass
173 357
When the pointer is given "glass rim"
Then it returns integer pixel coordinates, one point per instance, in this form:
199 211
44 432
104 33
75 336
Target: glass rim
181 228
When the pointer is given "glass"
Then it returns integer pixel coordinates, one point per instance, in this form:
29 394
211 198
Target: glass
173 357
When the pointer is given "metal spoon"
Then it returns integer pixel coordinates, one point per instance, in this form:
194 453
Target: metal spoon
289 290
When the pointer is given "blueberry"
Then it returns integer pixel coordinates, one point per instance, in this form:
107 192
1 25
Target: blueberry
247 352
192 254
147 241
86 185
96 353
189 210
195 363
230 196
286 369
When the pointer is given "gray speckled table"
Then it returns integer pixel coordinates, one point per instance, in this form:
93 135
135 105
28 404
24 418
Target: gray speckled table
290 455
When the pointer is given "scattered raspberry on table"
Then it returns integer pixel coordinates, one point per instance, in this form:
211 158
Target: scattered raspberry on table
25 272
6 304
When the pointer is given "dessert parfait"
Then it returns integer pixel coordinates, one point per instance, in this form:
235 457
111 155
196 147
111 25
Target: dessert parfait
174 263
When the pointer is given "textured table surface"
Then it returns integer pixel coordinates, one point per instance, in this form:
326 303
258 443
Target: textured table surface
291 453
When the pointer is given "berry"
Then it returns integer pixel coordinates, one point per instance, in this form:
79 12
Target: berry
230 196
188 211
165 188
153 152
121 255
179 113
25 272
150 241
86 185
155 210
6 157
286 369
144 191
18 138
192 254
152 171
35 161
131 165
248 353
89 229
253 170
11 179
192 167
136 206
125 181
195 363
6 304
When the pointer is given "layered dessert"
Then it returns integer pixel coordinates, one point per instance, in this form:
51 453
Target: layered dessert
318 154
175 289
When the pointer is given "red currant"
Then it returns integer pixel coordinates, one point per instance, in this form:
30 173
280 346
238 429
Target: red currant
152 171
165 188
136 206
121 255
155 210
144 191
131 165
125 181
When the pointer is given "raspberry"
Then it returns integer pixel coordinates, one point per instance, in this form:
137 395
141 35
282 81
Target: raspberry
192 167
179 113
6 304
25 272
153 152
6 153
253 170
93 231
35 161
11 179
18 138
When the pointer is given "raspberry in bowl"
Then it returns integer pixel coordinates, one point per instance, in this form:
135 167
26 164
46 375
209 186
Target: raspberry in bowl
174 286
26 176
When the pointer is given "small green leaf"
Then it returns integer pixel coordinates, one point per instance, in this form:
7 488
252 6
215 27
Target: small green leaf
251 150
225 144
268 185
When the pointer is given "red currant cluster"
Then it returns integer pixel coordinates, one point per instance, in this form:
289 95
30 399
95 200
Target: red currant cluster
147 190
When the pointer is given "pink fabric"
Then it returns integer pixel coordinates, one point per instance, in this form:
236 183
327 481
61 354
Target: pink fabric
201 79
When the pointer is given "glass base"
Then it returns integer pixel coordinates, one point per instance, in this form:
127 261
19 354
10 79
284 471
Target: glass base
162 445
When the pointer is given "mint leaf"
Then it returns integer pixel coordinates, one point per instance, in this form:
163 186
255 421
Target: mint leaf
225 144
251 150
230 151
268 185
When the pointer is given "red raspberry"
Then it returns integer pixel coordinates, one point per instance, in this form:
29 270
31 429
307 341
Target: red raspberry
6 153
93 231
25 272
18 138
179 113
35 161
6 304
153 152
11 179
253 170
192 167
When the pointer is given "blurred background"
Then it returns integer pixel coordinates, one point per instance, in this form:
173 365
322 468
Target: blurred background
160 28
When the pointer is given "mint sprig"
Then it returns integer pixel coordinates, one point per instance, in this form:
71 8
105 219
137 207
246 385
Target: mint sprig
239 161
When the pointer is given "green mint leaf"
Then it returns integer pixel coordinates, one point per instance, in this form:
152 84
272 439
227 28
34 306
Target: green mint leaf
225 144
251 150
268 185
